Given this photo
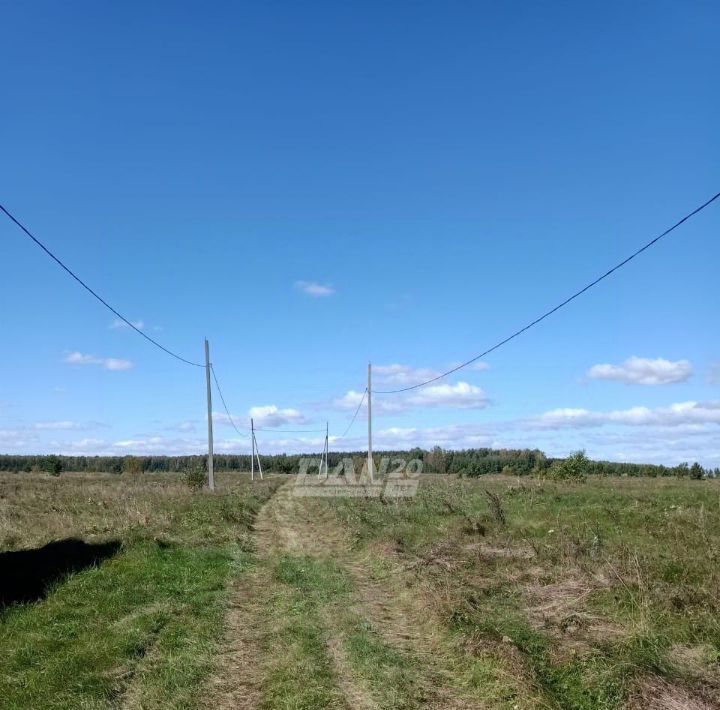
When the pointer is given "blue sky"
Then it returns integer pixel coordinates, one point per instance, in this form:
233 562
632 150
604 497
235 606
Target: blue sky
444 172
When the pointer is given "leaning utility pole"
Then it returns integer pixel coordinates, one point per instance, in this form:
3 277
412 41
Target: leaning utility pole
211 473
369 396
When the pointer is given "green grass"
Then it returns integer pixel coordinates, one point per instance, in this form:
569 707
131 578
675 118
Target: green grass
585 592
301 675
142 628
592 586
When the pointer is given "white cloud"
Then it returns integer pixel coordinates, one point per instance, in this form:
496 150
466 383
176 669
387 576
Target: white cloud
16 438
58 426
312 288
118 323
350 401
460 395
680 413
402 375
108 363
227 420
87 446
643 371
397 375
271 416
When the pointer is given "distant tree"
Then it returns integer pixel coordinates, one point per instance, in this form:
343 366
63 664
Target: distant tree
696 471
131 467
682 470
435 460
53 465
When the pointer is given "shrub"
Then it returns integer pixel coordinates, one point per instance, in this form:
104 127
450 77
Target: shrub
573 468
496 508
196 477
131 468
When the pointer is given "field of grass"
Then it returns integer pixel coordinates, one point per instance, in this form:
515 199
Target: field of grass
495 592
139 630
601 594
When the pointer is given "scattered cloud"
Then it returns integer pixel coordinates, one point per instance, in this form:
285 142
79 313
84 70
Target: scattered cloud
397 375
265 417
312 288
87 446
118 323
643 371
680 413
460 395
227 420
402 375
350 401
683 431
271 416
186 426
58 426
108 363
17 438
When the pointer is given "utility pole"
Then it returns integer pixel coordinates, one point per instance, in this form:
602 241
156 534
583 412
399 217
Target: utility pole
211 472
252 455
324 456
369 396
257 453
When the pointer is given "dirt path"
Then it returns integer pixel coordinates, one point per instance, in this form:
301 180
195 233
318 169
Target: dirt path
380 641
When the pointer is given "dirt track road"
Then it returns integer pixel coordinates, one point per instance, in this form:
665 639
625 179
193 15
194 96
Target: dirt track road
315 623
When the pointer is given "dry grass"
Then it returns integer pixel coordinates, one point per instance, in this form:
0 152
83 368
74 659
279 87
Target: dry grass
38 508
141 628
582 589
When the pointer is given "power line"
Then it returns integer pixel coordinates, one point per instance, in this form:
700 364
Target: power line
352 421
558 307
98 297
222 399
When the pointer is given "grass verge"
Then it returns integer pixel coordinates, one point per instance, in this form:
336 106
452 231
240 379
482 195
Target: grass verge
140 629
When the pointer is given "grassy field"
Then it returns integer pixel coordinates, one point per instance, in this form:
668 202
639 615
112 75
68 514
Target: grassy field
140 630
601 594
492 593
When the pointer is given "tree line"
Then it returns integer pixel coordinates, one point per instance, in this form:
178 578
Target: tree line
466 462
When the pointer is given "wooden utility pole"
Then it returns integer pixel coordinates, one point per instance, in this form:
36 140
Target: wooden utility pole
324 456
211 472
257 453
369 396
252 455
327 447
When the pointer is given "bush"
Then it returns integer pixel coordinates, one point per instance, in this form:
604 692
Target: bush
196 477
573 468
131 468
